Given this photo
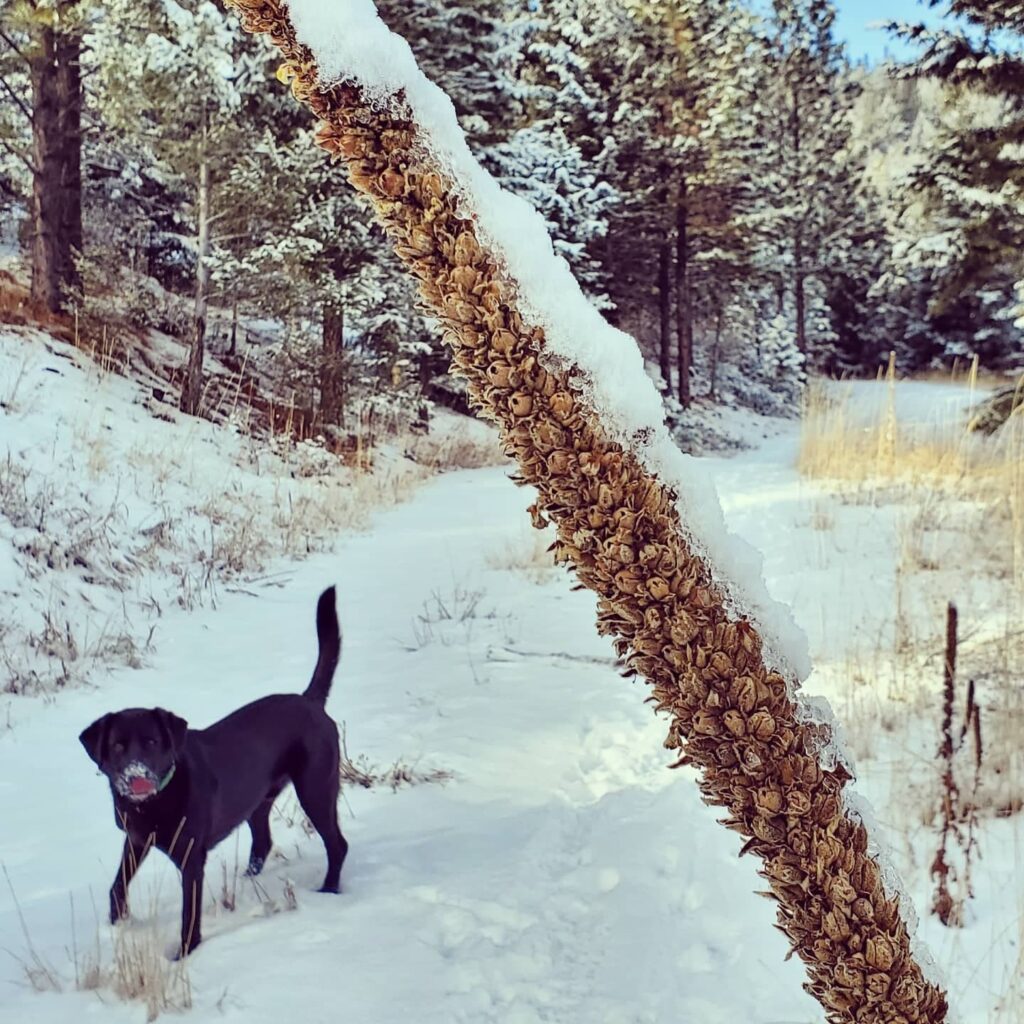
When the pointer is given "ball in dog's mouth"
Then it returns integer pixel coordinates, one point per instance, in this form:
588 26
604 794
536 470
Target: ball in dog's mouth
139 786
136 782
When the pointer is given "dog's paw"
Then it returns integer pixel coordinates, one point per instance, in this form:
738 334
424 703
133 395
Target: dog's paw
181 952
255 867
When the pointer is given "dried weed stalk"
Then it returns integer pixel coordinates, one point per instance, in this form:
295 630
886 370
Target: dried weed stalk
618 527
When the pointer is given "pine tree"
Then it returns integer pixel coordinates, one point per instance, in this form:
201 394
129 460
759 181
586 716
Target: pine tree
41 49
698 194
809 178
515 106
968 192
314 258
168 83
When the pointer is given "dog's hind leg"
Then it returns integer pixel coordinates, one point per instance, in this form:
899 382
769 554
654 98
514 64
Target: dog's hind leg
316 786
259 826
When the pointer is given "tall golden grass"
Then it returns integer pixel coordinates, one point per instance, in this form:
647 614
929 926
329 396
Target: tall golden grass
881 459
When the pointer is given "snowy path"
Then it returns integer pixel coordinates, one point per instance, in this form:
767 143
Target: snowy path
563 875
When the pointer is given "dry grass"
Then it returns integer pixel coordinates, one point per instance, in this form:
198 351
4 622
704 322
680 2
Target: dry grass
955 500
135 968
360 772
462 449
938 468
530 557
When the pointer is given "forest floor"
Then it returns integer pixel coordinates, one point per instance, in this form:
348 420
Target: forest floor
519 853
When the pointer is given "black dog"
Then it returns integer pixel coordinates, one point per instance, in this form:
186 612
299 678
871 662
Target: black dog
184 790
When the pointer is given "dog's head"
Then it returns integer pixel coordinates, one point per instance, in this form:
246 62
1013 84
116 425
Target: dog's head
136 749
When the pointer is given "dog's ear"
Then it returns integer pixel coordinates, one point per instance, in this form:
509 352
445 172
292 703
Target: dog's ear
174 726
94 738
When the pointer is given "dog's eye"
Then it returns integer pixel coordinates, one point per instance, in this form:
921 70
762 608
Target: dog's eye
118 748
150 742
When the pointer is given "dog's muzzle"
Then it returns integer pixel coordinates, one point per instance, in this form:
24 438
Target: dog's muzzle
137 782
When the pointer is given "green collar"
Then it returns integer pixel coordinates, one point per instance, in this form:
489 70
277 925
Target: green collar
166 779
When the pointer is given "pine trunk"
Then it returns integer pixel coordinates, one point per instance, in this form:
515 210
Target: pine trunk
684 297
233 345
665 309
715 350
192 386
800 296
55 74
332 377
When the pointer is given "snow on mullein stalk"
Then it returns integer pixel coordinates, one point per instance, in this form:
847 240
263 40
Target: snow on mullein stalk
636 519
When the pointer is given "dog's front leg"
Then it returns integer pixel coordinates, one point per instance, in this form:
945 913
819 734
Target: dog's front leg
192 868
131 857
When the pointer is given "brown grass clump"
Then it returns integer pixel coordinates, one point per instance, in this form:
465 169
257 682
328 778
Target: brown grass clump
882 459
618 527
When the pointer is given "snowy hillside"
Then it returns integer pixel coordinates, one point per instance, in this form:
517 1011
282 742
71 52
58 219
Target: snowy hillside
116 510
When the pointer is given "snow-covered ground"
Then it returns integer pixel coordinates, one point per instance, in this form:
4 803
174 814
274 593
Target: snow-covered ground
561 874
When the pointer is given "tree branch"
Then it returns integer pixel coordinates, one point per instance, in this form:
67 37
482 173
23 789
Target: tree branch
18 101
14 46
17 154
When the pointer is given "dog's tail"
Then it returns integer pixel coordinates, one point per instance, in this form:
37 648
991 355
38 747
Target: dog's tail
328 635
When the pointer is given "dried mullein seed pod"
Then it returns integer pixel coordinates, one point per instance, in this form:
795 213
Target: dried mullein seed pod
503 341
721 665
628 612
849 977
562 405
558 463
768 800
765 830
744 694
761 725
906 993
653 620
800 844
521 404
840 891
867 878
862 909
466 250
836 926
706 724
886 913
837 999
828 851
629 580
726 756
391 183
677 659
465 278
735 723
825 809
823 951
880 952
798 803
684 628
751 760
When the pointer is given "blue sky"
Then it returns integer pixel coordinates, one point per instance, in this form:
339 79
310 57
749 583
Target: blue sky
854 16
